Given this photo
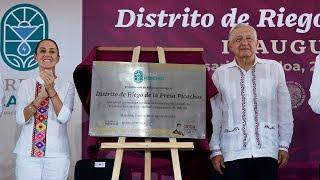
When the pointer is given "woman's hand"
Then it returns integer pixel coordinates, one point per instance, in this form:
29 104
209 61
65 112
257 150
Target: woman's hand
43 94
48 78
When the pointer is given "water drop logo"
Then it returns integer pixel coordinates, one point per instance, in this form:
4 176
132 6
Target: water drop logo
138 76
22 27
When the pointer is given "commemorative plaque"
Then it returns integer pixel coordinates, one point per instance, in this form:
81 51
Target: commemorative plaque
147 100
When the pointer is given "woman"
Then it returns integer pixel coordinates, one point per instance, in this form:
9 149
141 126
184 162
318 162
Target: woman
44 106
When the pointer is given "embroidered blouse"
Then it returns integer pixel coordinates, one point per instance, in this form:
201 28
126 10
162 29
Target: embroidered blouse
57 143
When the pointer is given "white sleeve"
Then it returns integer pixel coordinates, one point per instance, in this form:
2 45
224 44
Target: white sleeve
22 102
285 117
216 120
67 107
314 100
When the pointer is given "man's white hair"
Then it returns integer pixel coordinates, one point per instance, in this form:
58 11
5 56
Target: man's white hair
239 26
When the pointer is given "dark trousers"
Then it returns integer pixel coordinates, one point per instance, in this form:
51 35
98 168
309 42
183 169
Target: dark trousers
263 168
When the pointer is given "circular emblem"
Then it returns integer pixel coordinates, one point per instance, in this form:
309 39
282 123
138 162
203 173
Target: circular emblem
22 27
138 76
297 94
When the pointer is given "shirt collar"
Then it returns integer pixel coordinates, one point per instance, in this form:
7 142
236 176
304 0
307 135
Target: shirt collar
39 79
234 62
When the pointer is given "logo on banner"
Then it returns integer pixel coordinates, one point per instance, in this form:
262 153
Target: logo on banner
297 94
22 27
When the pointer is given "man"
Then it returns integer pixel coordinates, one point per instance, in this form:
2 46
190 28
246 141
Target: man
1 95
252 116
314 100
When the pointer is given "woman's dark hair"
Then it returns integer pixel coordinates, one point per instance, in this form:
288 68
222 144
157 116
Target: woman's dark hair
47 39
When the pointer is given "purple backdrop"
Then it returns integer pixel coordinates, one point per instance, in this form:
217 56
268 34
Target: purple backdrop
299 50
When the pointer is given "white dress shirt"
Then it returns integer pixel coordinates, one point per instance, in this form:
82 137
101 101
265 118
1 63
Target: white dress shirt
1 95
251 114
57 143
314 100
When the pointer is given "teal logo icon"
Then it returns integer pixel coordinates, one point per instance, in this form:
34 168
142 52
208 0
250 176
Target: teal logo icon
22 27
138 76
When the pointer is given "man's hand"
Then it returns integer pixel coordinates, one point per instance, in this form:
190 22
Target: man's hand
283 157
217 163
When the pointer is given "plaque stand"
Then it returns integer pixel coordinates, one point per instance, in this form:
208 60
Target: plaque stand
148 146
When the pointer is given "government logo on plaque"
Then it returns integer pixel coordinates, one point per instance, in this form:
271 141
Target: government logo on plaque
148 100
138 76
22 27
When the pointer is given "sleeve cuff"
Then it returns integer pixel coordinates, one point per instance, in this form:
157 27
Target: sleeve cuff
215 152
64 114
20 119
284 146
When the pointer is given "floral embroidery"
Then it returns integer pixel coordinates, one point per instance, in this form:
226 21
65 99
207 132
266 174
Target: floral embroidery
244 116
234 129
255 106
284 147
269 127
40 127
